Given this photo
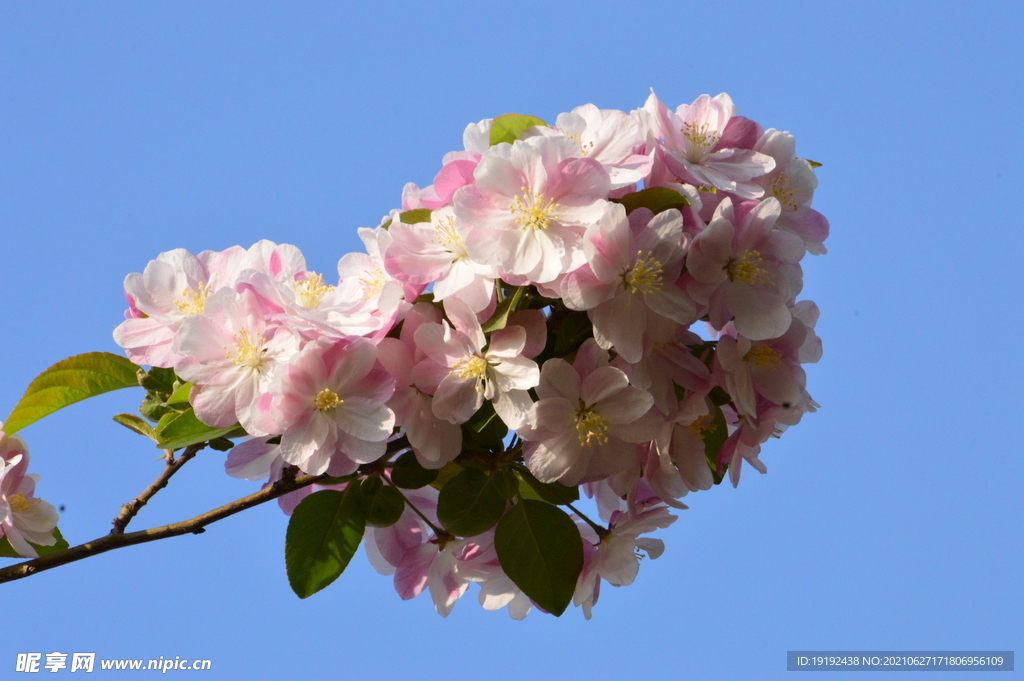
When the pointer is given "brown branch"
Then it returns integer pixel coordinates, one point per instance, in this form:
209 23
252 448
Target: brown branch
116 540
131 509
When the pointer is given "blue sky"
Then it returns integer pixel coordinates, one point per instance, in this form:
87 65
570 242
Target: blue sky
891 519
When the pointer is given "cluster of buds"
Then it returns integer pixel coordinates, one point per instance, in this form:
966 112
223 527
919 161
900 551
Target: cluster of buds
607 303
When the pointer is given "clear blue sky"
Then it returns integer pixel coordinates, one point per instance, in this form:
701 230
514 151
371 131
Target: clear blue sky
891 519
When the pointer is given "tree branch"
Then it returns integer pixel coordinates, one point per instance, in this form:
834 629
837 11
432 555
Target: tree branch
131 509
116 540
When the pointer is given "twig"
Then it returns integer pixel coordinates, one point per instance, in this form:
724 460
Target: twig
131 509
119 540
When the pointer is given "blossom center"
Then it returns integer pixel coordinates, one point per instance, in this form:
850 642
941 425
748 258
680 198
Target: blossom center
448 238
470 368
327 400
703 425
373 283
591 428
19 504
311 290
248 350
783 190
746 269
701 140
645 275
585 148
535 212
191 301
764 357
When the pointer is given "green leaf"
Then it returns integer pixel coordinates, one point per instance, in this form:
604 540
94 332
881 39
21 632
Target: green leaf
415 216
384 506
657 199
814 164
138 425
540 549
323 534
508 127
484 432
180 396
506 482
714 435
7 551
407 473
471 503
446 473
158 380
71 380
551 492
501 313
154 409
186 429
221 444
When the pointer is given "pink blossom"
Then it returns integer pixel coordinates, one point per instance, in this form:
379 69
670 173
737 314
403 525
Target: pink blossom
23 517
435 253
746 271
463 368
616 559
230 354
531 204
586 425
692 140
329 405
793 182
630 284
611 137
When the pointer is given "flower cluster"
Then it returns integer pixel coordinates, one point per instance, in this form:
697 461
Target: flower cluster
609 302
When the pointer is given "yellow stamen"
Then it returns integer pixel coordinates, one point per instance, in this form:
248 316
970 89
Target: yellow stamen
702 426
536 212
591 428
783 190
19 504
327 400
248 349
764 357
701 141
373 283
745 269
471 368
645 276
311 290
193 301
446 236
585 148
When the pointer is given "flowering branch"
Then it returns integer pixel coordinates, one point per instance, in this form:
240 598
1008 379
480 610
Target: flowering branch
131 509
117 540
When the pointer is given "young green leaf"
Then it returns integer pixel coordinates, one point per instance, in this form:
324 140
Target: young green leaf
508 127
715 434
501 313
186 429
415 216
540 549
471 503
657 199
323 534
71 380
138 425
7 551
180 396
